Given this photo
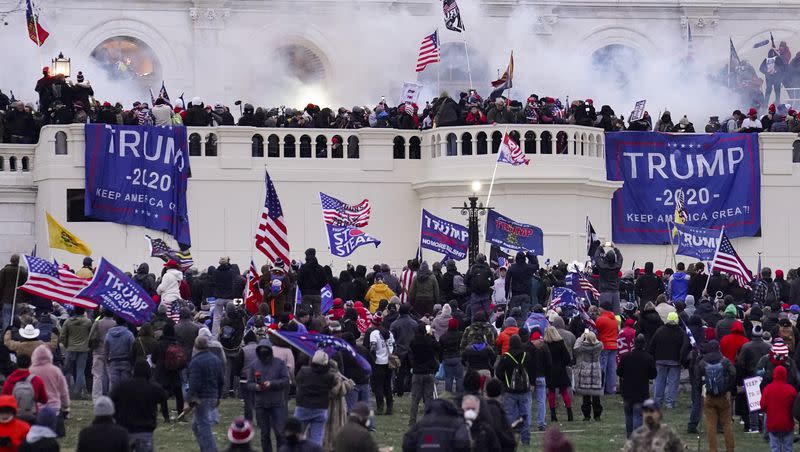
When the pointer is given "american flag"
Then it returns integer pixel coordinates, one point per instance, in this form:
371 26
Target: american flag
726 260
272 236
564 298
159 248
174 311
588 286
406 278
511 153
48 280
428 51
337 213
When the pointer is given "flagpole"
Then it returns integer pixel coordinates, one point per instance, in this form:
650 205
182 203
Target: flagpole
711 267
494 172
16 289
671 244
469 70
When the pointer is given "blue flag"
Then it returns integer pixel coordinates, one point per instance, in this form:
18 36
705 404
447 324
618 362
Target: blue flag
111 288
444 237
343 240
138 175
718 174
309 343
505 232
327 299
700 243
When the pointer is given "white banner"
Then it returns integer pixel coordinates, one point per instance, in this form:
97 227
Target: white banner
752 388
410 93
638 110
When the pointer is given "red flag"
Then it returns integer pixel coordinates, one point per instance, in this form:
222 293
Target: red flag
35 31
254 295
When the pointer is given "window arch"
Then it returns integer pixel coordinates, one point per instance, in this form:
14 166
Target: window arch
128 58
273 146
497 138
546 144
414 148
466 143
337 147
61 143
195 143
12 163
530 142
322 147
352 147
211 145
482 143
2 163
288 146
399 149
257 146
305 146
26 163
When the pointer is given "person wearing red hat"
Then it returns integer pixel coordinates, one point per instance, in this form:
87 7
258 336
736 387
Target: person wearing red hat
751 123
781 286
169 291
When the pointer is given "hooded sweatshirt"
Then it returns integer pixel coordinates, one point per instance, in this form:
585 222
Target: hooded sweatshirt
777 400
54 382
731 343
119 341
376 293
678 286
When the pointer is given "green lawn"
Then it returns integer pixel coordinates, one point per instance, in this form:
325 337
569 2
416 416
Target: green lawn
609 434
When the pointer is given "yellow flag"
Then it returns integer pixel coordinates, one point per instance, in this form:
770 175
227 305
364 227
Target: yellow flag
62 239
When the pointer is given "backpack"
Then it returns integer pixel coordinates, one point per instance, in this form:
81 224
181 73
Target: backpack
519 381
175 357
770 296
227 337
481 281
459 288
716 379
25 395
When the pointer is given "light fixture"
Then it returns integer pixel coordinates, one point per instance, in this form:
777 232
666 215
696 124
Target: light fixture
476 186
60 65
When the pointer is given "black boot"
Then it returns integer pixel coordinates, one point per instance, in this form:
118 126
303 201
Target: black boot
569 414
553 417
389 406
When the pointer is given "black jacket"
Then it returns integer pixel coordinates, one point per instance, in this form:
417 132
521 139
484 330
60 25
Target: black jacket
314 384
648 324
479 356
648 287
505 367
557 375
518 277
717 283
635 370
103 435
423 353
608 270
354 437
224 276
450 343
136 402
442 427
696 285
311 277
669 343
196 116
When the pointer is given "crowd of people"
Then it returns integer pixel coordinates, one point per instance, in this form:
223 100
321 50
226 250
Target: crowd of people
488 353
63 101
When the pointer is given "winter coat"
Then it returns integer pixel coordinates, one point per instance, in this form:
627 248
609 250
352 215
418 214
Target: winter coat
518 277
750 354
314 384
777 400
423 353
447 113
669 345
223 281
424 292
403 330
16 429
557 375
635 371
196 116
162 115
679 286
53 379
119 341
205 376
509 361
274 371
376 293
103 435
713 356
40 439
723 327
479 356
449 343
97 335
608 270
441 427
8 279
27 346
587 373
169 289
731 343
136 401
354 437
504 338
75 334
607 330
649 322
648 287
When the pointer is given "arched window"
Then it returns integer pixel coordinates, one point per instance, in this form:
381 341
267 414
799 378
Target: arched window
414 148
615 63
547 143
211 145
561 143
352 147
452 144
12 163
257 146
337 147
288 146
497 138
195 145
128 58
273 146
466 143
2 163
399 149
482 144
305 147
322 147
301 63
61 143
530 142
795 151
26 164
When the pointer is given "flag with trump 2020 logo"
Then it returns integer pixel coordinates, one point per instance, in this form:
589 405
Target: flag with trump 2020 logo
700 243
111 288
343 240
505 232
718 174
138 175
443 236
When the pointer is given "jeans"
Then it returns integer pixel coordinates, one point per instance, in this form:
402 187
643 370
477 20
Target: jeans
608 364
75 371
203 422
141 442
313 419
360 393
666 384
382 386
271 417
312 302
518 406
453 370
479 303
633 416
697 402
118 371
249 401
718 410
540 392
99 376
772 86
7 315
421 388
780 441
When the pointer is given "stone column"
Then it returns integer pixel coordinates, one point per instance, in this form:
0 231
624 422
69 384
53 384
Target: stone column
208 21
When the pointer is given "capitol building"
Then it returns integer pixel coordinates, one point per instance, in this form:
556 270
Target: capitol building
352 52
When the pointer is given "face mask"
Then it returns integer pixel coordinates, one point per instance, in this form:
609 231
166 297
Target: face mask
470 415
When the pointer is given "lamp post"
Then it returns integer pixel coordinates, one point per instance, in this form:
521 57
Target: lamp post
473 211
60 65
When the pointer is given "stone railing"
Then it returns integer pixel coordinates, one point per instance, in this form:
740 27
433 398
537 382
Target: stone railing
16 158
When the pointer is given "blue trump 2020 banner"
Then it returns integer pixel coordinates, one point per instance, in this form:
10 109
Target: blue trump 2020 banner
700 243
444 237
719 175
114 290
138 175
343 240
505 232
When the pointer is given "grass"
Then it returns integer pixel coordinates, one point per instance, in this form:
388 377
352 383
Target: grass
609 434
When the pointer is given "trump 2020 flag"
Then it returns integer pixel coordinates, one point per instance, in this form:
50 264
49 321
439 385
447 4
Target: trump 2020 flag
114 290
326 293
343 240
444 237
511 153
511 234
696 242
309 343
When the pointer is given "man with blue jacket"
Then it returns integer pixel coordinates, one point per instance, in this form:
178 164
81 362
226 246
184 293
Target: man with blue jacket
119 341
678 284
267 380
205 391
